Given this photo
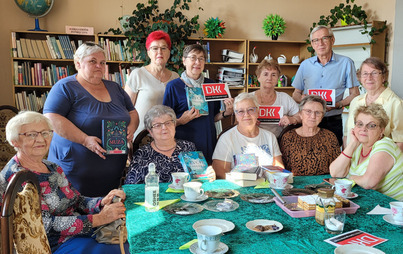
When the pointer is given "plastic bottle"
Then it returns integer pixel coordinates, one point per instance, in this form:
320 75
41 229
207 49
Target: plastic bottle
152 189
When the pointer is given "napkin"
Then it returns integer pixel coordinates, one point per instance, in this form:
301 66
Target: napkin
379 210
263 185
188 244
163 203
175 190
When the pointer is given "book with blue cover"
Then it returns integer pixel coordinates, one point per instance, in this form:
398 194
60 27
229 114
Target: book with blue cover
194 164
114 136
196 99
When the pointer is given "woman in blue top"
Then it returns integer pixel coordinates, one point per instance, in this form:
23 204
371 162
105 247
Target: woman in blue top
76 107
191 125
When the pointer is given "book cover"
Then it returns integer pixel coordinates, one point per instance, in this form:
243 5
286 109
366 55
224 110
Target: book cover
270 114
41 49
195 99
194 164
46 48
355 236
114 136
61 49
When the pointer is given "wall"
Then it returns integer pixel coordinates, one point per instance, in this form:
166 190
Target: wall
243 20
397 82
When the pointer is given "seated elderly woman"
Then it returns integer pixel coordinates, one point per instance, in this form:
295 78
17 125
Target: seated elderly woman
246 138
309 150
370 159
163 151
69 218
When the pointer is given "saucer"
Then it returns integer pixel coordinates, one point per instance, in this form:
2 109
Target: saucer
222 248
199 199
388 218
356 249
225 225
252 224
287 186
352 195
175 188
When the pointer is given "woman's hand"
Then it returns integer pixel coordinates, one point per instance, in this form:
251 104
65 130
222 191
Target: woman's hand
108 214
286 120
229 106
188 116
92 143
353 139
211 173
108 198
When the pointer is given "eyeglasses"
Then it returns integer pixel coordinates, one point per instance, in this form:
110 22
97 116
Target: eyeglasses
194 59
374 74
368 126
309 112
167 124
242 112
34 134
324 39
155 49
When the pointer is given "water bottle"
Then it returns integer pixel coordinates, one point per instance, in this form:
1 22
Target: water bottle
152 189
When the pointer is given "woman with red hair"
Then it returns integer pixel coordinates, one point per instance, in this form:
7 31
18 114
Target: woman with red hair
146 85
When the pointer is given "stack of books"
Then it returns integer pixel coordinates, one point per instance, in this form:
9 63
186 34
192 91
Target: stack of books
233 77
246 171
231 56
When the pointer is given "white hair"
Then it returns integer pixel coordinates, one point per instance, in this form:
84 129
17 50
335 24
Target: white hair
86 49
245 96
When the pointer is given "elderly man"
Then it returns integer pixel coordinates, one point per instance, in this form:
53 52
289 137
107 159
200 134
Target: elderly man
327 70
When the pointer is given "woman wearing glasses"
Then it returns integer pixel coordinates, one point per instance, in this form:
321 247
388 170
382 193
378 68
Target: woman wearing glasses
160 121
373 75
246 138
191 125
309 149
370 159
146 85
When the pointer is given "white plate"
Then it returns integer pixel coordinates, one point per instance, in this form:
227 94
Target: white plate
356 249
389 218
287 186
173 187
253 223
200 199
225 225
216 206
352 195
222 248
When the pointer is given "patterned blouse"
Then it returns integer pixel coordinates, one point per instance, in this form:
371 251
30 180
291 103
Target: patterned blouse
309 155
164 165
65 212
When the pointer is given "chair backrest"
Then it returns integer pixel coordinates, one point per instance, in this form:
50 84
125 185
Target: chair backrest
142 138
287 129
6 150
21 219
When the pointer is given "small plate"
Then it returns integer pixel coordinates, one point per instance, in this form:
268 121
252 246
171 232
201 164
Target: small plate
356 249
199 199
315 187
389 218
222 193
352 195
252 224
287 186
183 208
222 248
258 198
214 205
173 187
225 225
297 192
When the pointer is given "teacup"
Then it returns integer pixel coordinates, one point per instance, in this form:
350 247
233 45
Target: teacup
208 238
343 187
193 190
179 178
278 180
397 211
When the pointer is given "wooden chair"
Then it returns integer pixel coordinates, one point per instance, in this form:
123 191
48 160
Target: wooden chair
287 129
6 150
21 218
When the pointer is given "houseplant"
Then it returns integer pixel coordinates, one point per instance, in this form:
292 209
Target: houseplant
273 26
214 28
148 18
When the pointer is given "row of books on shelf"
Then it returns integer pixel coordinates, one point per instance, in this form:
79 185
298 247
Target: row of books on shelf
231 56
233 77
30 101
51 48
35 74
120 76
118 50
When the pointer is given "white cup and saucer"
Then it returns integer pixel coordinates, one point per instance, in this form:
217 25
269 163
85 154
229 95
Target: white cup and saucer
178 179
193 192
279 181
396 216
208 241
343 188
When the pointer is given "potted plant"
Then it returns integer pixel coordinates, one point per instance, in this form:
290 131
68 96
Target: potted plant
214 28
148 18
273 26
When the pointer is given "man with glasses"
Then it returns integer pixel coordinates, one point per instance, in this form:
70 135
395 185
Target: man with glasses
327 70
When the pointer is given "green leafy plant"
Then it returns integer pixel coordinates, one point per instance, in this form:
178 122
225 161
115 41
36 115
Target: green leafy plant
350 15
214 28
273 25
148 18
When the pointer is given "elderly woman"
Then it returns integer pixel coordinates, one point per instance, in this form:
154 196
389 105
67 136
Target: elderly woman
160 122
76 106
69 218
268 73
373 75
246 138
309 150
191 125
370 159
146 85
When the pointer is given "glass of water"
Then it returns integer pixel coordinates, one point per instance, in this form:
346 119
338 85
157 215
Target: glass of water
334 222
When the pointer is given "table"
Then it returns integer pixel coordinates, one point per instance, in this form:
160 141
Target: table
161 232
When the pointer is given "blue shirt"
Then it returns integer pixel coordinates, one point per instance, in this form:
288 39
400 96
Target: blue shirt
339 73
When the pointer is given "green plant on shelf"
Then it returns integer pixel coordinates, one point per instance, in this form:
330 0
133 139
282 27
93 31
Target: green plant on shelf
273 25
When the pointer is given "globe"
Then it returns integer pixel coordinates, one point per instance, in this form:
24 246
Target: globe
36 9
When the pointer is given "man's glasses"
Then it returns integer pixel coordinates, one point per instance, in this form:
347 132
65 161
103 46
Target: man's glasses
324 39
34 134
250 111
309 112
167 124
368 126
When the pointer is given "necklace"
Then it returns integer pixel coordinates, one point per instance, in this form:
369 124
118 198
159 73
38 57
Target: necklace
364 156
164 150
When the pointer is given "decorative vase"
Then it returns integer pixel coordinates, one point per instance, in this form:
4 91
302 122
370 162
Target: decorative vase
274 37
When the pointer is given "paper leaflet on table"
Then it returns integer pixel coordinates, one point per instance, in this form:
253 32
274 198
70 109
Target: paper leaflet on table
270 114
355 236
329 95
379 210
215 91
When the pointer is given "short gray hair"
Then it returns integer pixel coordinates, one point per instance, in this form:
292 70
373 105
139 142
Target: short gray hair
312 98
317 28
376 111
86 49
245 96
157 111
14 125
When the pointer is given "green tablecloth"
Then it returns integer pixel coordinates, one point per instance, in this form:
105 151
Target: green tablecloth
161 232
